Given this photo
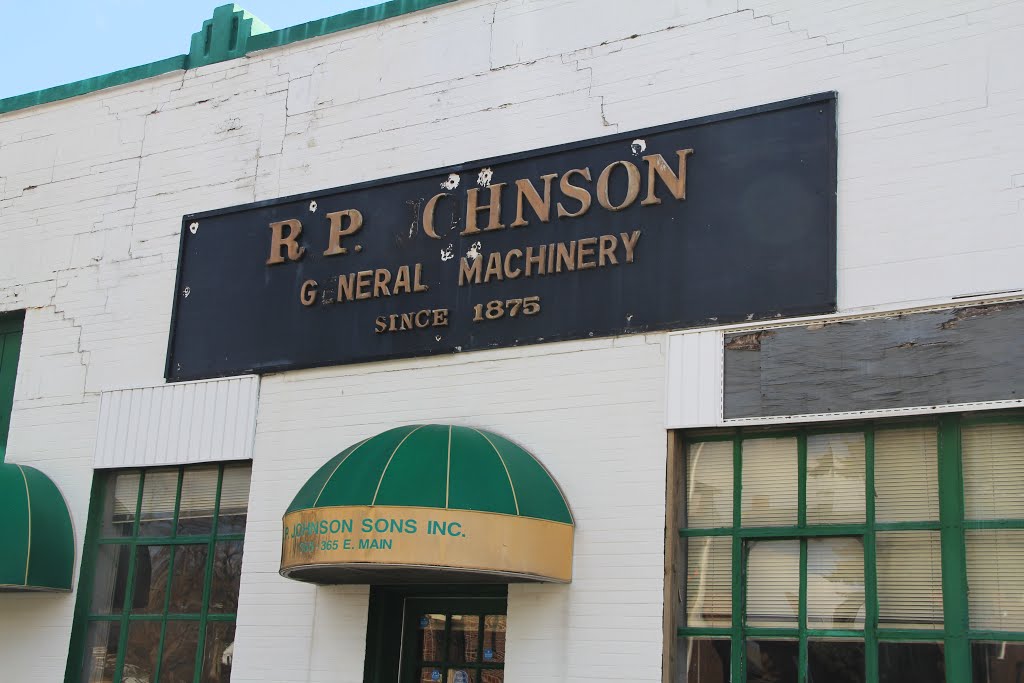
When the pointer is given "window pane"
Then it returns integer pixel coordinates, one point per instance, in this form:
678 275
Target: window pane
431 637
110 579
198 495
708 660
178 661
219 652
835 479
995 577
909 579
492 676
141 650
997 662
159 489
906 479
464 639
835 583
187 579
993 457
151 574
772 661
494 638
430 675
709 581
461 676
709 484
769 482
911 663
122 497
773 583
234 498
101 651
835 661
227 576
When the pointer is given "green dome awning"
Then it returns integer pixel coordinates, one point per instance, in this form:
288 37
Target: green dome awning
384 509
35 525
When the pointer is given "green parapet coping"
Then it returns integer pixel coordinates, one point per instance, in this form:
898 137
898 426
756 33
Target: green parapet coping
231 33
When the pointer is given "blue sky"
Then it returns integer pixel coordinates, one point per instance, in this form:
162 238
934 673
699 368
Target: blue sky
49 43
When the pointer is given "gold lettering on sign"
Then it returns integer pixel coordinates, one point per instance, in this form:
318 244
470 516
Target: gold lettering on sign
632 185
414 320
580 194
307 293
338 229
629 243
428 215
541 207
493 209
675 182
289 242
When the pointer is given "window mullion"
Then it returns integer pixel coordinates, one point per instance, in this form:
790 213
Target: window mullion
954 555
208 579
129 592
738 663
801 477
870 567
802 613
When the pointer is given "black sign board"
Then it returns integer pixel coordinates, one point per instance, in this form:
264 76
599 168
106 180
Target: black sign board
721 219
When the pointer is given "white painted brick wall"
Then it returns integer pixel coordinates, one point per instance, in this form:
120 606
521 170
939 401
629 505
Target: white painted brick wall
931 201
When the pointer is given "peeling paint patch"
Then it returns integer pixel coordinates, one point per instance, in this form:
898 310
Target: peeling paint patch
747 342
193 228
969 312
638 147
483 179
448 253
312 206
452 182
474 251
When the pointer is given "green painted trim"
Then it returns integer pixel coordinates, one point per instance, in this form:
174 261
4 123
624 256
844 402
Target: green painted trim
871 607
999 636
801 619
220 40
954 553
737 653
994 524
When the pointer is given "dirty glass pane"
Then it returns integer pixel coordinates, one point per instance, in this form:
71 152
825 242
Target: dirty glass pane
461 676
218 652
709 484
152 563
464 639
101 641
234 499
141 650
492 676
906 475
909 579
494 638
159 489
187 579
110 579
708 660
835 661
773 584
996 662
995 577
835 583
709 581
178 661
122 497
769 482
431 637
772 661
993 461
198 496
835 479
227 577
911 663
430 675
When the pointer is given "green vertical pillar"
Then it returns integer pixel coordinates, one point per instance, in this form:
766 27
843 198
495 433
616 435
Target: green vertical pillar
954 554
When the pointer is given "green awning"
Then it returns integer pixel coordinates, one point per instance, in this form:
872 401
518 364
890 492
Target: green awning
38 552
384 509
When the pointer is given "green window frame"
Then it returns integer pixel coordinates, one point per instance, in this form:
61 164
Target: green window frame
954 633
121 535
10 348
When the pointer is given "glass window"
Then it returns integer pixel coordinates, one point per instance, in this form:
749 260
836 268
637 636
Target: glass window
997 662
708 660
769 487
709 484
909 579
993 463
709 581
835 583
772 661
906 475
995 575
161 552
835 479
835 661
773 583
911 663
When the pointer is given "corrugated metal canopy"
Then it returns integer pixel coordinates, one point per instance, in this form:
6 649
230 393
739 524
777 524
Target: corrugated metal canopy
38 551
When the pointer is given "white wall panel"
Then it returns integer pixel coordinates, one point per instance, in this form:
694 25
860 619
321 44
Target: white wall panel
178 423
694 380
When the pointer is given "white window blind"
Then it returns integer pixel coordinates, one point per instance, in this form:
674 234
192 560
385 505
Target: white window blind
835 583
773 583
709 581
906 475
995 578
909 579
835 479
709 484
993 464
159 491
234 489
769 482
198 492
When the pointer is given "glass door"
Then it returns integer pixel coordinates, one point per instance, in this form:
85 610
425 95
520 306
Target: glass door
453 640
